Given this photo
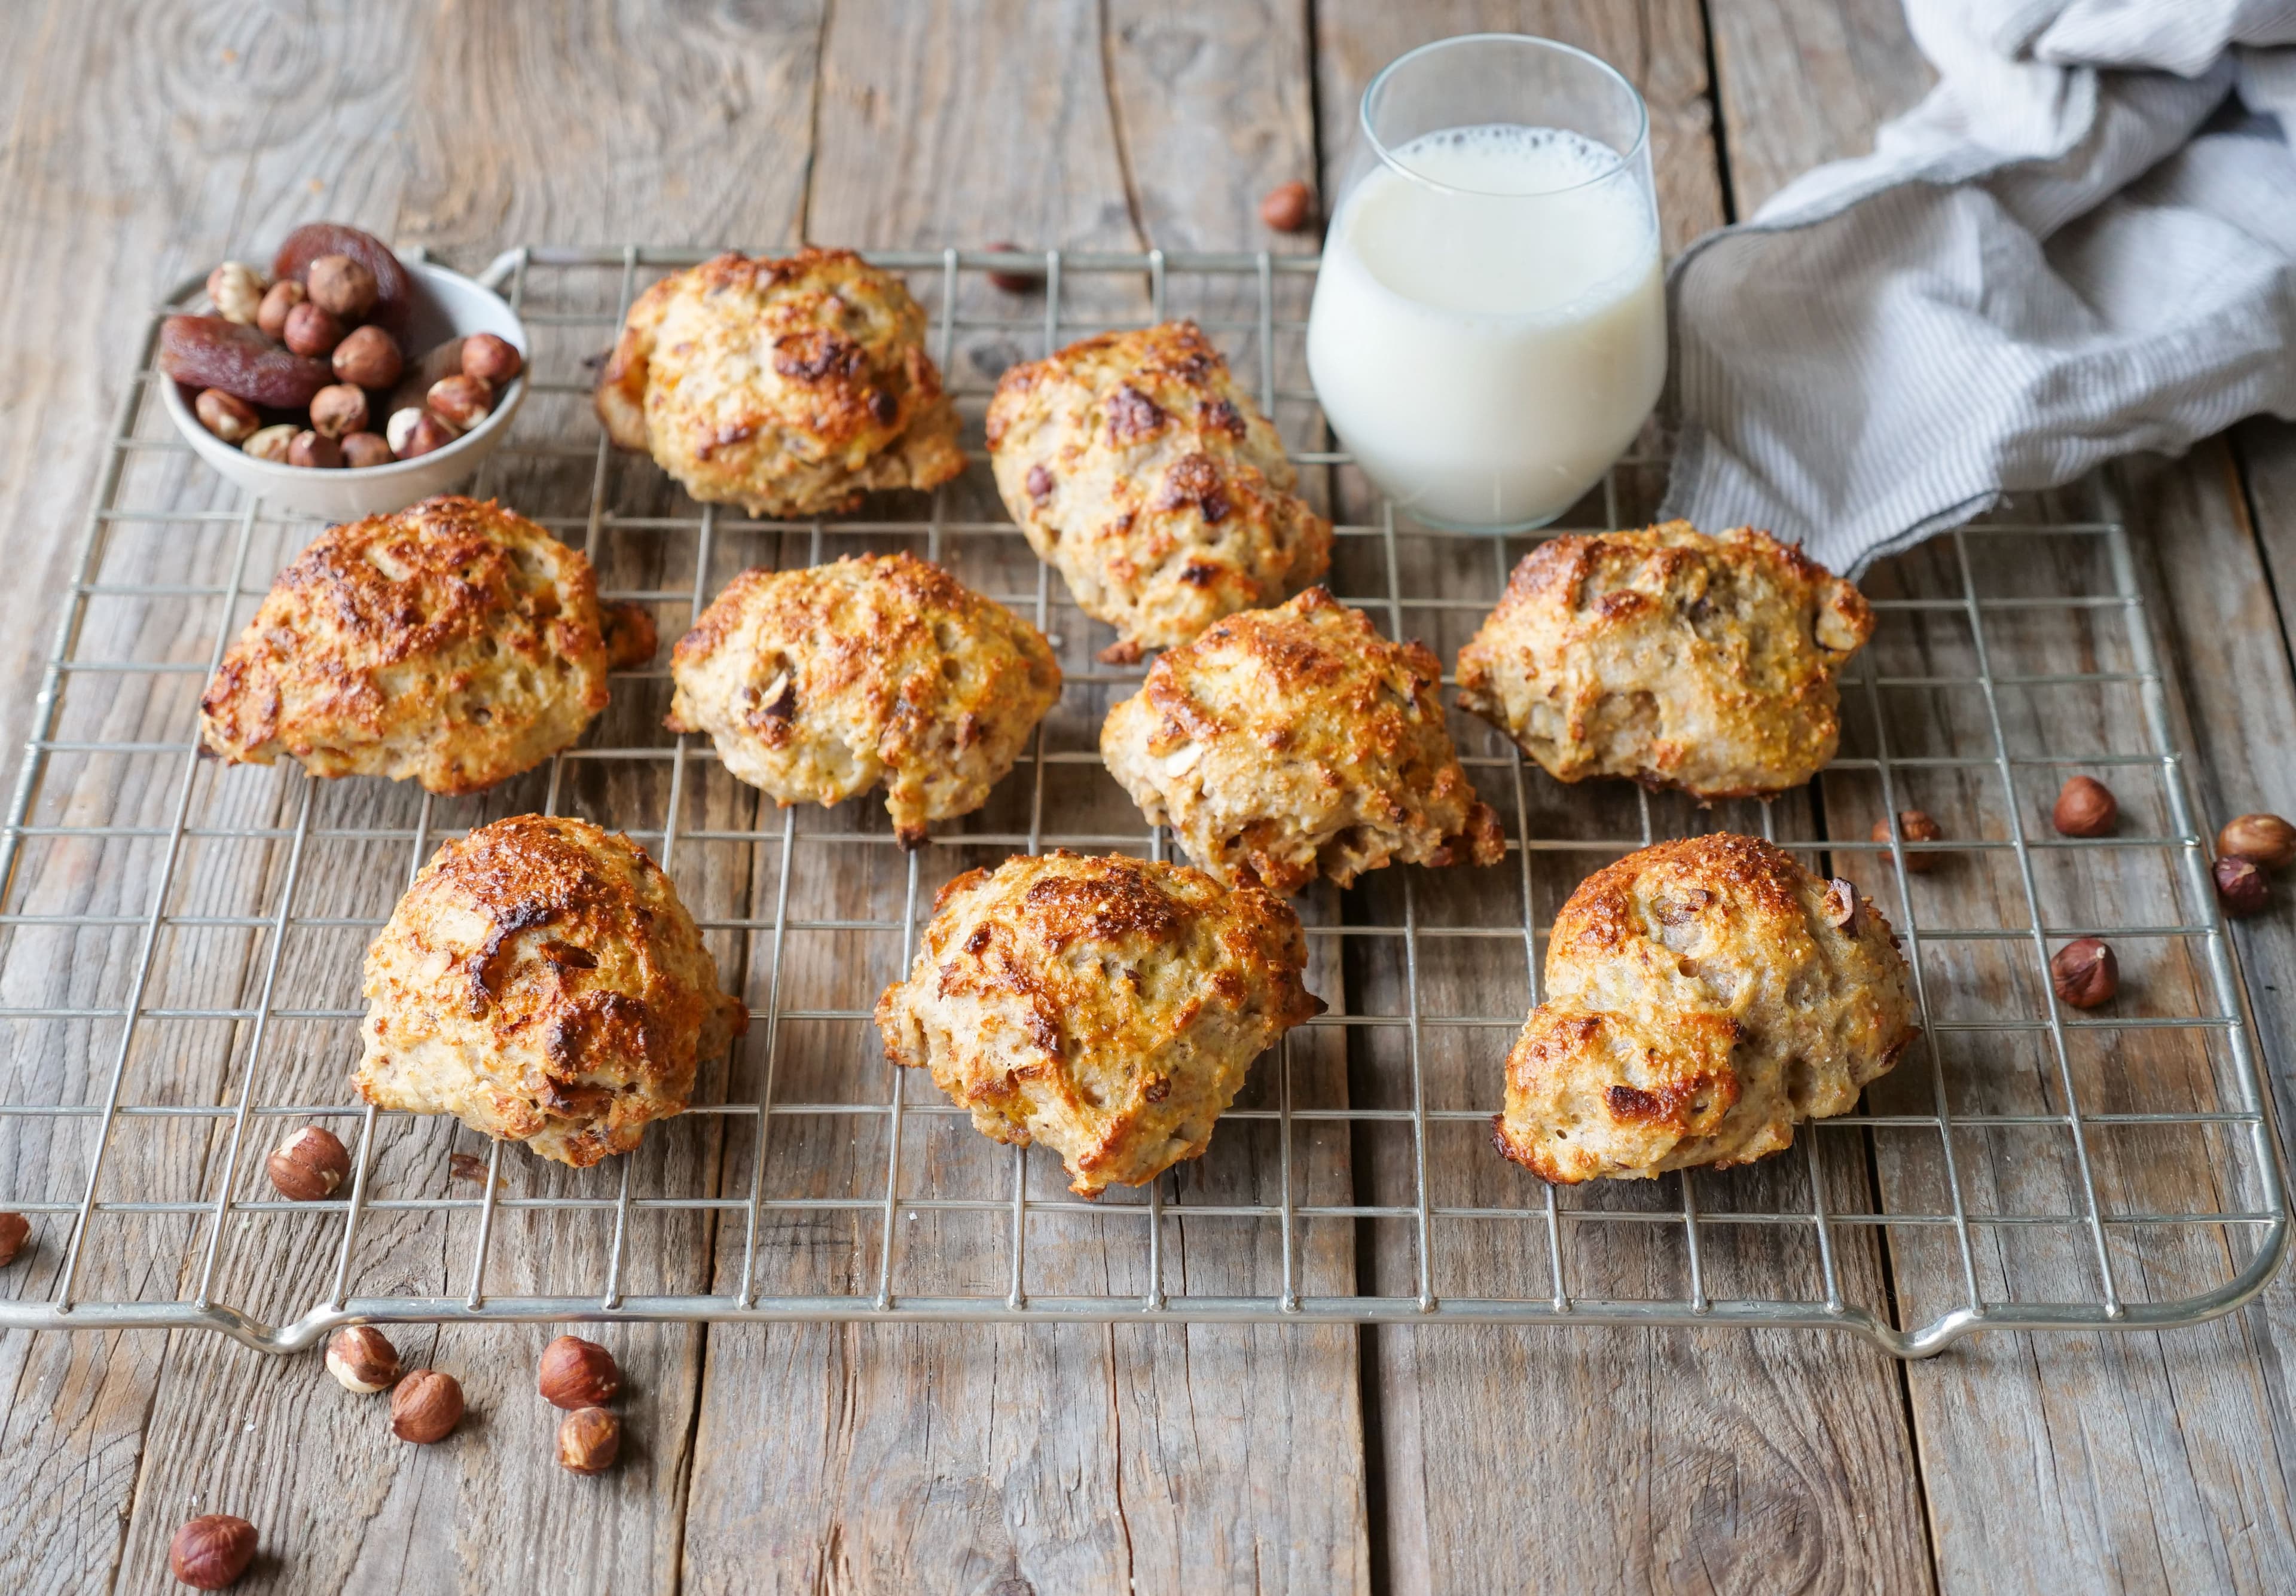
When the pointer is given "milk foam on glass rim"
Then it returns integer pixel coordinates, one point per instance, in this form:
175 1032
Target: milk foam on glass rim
1489 331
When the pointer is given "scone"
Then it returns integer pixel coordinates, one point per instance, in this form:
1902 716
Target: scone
1142 473
1105 1007
789 387
816 685
1296 741
1676 658
453 643
1703 997
541 982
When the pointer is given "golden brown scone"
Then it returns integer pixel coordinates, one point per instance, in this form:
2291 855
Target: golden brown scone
453 643
816 685
541 982
1676 659
1288 743
789 387
1105 1007
1143 474
1703 997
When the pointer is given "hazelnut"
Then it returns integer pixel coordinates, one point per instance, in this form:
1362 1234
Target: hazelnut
2086 808
368 356
426 1407
311 330
339 409
211 1551
315 451
491 360
1014 282
272 443
310 1163
361 1359
1839 906
1914 825
341 286
281 297
461 402
589 1439
15 1230
226 416
364 449
414 431
578 1373
1288 207
2085 973
236 289
2241 886
2266 838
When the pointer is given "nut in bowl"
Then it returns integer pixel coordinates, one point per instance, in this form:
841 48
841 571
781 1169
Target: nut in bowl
445 307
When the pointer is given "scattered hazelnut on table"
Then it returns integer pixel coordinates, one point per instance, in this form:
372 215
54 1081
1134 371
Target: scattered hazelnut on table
414 431
339 410
15 1230
2085 973
576 1373
2086 808
341 286
1288 207
426 1406
315 451
226 416
272 443
310 1163
1013 282
2266 838
236 291
461 402
368 356
278 300
2241 886
589 1439
361 1359
491 360
211 1551
364 449
1914 825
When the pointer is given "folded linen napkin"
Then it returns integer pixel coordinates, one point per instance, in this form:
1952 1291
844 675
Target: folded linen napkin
2081 243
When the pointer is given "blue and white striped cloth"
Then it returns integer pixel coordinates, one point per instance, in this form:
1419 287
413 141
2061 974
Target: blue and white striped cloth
2083 243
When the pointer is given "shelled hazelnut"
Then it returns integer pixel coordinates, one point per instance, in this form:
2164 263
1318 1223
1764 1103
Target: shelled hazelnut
1914 825
368 356
576 1373
1013 281
414 431
361 1359
589 1440
315 451
211 1551
1288 207
341 286
272 443
2242 888
2086 808
279 300
461 401
311 330
339 410
226 416
491 360
15 1230
426 1406
310 1163
236 291
2266 838
364 449
2085 973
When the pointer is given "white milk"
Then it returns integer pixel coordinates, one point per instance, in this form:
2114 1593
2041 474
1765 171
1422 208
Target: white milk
1486 356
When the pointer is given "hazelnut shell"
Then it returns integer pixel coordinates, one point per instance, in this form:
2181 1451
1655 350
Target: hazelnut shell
2085 973
310 1163
2266 838
575 1373
211 1551
589 1440
426 1406
2086 808
311 332
2242 888
361 1359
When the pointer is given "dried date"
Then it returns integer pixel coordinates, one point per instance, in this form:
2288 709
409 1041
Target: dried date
206 351
394 290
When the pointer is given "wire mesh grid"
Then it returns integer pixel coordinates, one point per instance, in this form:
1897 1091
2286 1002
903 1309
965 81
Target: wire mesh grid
180 946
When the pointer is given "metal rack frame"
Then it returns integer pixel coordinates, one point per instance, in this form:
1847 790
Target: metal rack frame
2255 1226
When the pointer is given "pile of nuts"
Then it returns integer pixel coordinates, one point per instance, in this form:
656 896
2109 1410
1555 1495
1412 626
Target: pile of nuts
304 367
2247 849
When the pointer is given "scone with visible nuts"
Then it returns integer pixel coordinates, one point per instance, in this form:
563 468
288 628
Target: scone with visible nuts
1703 997
1676 658
816 685
789 387
1142 473
454 641
1105 1007
541 982
1290 742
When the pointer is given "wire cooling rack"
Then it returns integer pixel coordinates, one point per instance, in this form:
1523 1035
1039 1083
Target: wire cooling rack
180 947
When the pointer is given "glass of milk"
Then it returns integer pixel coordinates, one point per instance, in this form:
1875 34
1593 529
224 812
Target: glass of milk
1489 329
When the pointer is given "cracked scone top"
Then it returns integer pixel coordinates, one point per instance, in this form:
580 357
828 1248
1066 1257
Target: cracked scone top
789 387
816 685
1107 1007
1670 656
1140 472
541 981
453 643
1704 997
1290 742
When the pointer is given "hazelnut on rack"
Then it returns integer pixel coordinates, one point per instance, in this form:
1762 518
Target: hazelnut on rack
414 431
2086 808
368 356
361 1359
2242 888
1288 207
312 331
576 1373
236 289
339 410
589 1440
2266 838
1914 825
341 286
491 360
272 443
461 401
211 1551
364 449
310 1163
426 1406
278 301
314 450
15 1230
226 416
2085 973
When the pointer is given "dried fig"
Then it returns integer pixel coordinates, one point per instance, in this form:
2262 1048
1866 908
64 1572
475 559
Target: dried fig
394 290
206 351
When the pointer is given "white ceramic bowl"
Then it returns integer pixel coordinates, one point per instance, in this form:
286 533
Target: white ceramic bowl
446 304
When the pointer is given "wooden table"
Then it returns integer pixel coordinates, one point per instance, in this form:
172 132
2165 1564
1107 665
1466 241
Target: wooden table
145 140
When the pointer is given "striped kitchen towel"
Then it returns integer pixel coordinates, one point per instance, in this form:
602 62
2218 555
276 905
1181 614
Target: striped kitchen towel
2083 243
